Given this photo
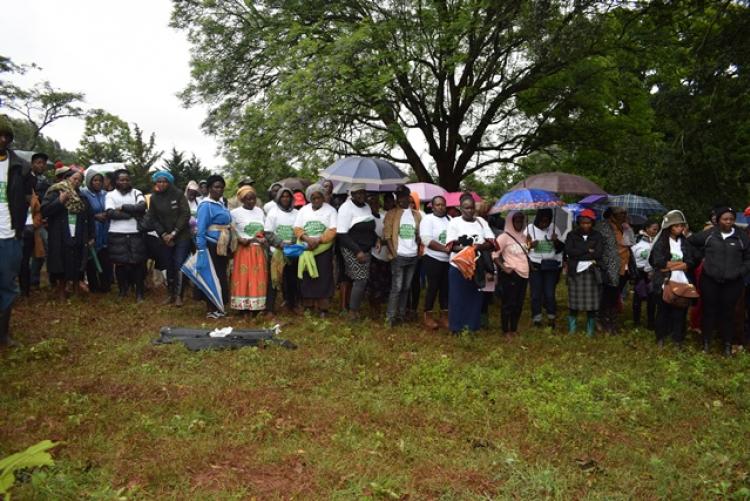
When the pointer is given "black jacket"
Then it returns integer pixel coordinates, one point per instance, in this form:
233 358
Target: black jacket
18 191
169 211
58 232
727 259
661 255
577 249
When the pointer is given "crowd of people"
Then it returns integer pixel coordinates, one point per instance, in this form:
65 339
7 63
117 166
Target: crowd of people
94 231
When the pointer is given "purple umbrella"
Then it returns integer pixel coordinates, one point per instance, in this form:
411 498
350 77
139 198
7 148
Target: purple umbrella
427 191
593 200
562 183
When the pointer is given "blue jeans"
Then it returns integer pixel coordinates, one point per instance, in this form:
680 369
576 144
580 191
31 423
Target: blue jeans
402 273
543 285
11 251
173 257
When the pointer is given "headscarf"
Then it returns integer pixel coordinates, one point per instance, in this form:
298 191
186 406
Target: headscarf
162 174
415 198
520 236
278 199
90 175
192 185
314 188
244 190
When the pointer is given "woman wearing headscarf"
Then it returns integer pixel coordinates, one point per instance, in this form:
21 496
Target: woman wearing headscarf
279 231
169 214
250 270
545 254
70 230
99 278
127 247
435 262
513 264
355 232
464 294
315 226
213 239
584 248
672 258
726 262
615 263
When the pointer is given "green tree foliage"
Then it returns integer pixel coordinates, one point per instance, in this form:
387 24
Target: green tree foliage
23 140
299 81
106 138
185 169
141 156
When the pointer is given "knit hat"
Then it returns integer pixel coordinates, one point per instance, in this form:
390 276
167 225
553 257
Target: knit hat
162 173
6 127
588 214
672 218
721 210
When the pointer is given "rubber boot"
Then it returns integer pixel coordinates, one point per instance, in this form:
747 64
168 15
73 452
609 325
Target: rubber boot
572 321
590 325
443 319
429 323
5 339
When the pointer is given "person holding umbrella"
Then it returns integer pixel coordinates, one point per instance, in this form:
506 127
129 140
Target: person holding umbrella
214 241
315 226
356 235
584 248
545 254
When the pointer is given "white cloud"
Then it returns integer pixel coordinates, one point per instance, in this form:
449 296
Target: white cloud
122 54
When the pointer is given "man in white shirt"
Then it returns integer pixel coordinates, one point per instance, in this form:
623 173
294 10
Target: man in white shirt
16 184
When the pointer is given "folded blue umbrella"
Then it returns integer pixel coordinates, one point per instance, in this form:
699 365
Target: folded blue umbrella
204 277
294 250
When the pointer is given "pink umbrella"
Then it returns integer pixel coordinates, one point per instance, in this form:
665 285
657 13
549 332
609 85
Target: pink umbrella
453 199
426 191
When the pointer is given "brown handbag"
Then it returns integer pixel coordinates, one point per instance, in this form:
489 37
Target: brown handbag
678 294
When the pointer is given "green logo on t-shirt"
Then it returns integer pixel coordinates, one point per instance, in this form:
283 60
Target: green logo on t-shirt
314 228
253 228
285 232
442 237
406 231
545 247
3 192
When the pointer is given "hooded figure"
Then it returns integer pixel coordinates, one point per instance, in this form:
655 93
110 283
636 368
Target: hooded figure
99 277
513 261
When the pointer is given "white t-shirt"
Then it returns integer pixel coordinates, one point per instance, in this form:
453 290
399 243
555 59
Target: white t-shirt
675 249
349 215
584 265
641 252
247 223
115 200
478 229
316 222
724 236
282 224
407 235
545 248
269 206
434 228
6 227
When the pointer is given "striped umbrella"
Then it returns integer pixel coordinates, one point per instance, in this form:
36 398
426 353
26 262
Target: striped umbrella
364 170
637 205
526 199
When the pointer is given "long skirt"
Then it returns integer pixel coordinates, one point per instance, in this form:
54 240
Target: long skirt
464 302
249 278
323 286
584 291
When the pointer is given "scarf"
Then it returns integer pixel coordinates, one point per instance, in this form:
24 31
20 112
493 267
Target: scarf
73 204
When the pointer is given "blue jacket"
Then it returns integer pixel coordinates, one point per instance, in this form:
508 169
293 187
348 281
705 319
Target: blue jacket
210 212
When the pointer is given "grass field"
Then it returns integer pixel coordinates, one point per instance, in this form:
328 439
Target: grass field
359 412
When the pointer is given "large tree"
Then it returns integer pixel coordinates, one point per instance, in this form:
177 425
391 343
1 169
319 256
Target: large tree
383 78
106 138
185 169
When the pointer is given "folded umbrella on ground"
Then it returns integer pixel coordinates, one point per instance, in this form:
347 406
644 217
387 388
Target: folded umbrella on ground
201 339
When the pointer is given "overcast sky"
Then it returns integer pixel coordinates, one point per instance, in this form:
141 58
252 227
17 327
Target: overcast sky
122 54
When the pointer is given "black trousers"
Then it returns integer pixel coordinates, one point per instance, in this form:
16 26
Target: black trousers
289 287
610 300
719 303
24 274
100 282
131 275
513 295
436 273
651 301
670 320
